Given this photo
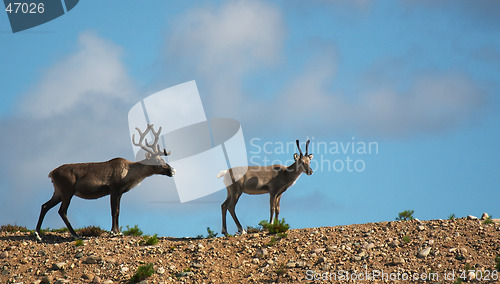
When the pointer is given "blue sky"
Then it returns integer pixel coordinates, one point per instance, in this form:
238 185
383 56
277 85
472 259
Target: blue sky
419 78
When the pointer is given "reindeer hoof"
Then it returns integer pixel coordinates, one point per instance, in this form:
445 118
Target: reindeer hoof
37 237
242 232
116 234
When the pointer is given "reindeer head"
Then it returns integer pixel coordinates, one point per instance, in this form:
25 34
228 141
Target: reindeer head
153 152
304 161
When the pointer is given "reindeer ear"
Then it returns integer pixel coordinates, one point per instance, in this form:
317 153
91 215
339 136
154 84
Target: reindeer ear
296 156
310 156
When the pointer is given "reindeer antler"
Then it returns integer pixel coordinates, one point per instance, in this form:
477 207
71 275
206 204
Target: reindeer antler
307 147
298 146
155 148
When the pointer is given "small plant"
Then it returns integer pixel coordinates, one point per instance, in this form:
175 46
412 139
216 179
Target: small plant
60 230
497 261
405 215
406 239
271 243
149 240
211 234
134 231
488 220
90 231
458 281
276 227
282 235
13 228
252 230
452 217
281 269
143 272
78 243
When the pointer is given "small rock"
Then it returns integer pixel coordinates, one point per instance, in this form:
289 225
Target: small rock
322 259
86 276
191 247
394 243
124 270
46 280
184 273
424 252
37 281
262 252
197 265
58 266
472 274
485 216
61 281
318 250
96 280
79 255
4 254
92 259
290 265
470 217
160 270
255 260
369 246
421 228
398 261
108 282
463 251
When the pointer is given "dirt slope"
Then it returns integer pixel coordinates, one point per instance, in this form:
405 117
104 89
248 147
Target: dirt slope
387 252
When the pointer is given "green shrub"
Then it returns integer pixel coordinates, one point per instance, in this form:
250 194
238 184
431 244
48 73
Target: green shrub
90 231
143 272
452 217
13 228
78 243
134 231
211 234
406 239
149 240
276 227
497 261
488 220
271 243
405 215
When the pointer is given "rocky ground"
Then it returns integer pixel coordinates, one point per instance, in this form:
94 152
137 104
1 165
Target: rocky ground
436 251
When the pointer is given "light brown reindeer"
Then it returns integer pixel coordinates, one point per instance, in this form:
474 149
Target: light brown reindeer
114 178
274 180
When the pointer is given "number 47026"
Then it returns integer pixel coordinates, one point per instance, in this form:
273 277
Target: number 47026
25 8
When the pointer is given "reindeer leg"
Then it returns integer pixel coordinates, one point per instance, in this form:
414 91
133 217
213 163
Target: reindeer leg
224 213
115 211
272 205
277 207
231 208
62 212
45 208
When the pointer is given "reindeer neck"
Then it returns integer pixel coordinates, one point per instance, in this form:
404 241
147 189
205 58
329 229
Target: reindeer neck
144 170
293 172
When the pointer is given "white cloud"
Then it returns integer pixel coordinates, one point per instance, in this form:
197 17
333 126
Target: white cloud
219 46
94 72
223 47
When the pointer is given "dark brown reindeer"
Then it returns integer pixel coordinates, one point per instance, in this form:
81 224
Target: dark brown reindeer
274 180
114 178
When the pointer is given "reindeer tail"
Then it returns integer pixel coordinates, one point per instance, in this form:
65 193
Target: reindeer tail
221 174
